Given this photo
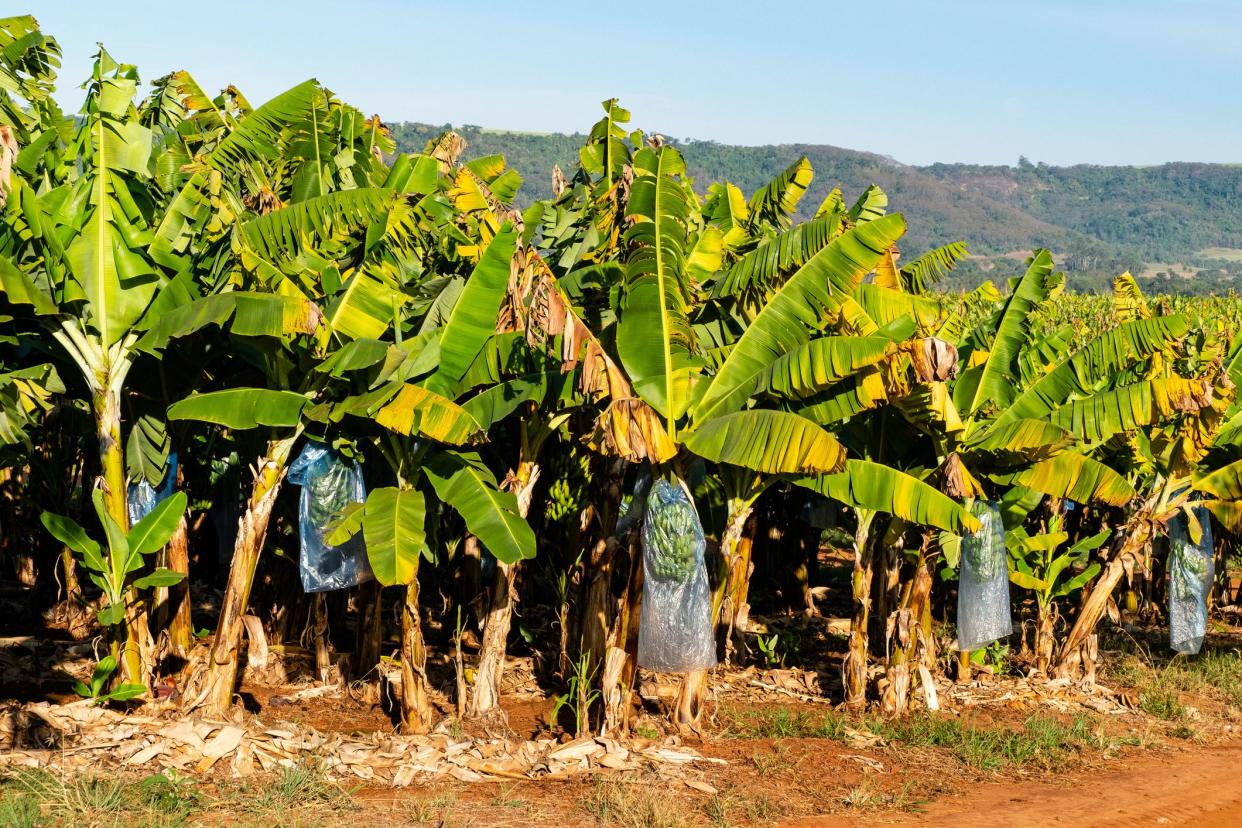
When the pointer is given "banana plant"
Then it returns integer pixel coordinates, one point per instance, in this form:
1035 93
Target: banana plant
75 249
700 373
300 234
426 417
1043 567
115 572
1031 419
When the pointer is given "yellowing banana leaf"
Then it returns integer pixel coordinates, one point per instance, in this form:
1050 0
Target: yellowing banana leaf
1022 441
867 485
1100 416
776 202
417 410
1099 359
797 308
1075 477
767 441
243 313
819 363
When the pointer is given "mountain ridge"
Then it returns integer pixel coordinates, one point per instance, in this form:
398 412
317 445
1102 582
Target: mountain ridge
1100 219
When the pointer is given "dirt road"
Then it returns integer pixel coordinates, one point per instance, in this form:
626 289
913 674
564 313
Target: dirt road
1200 787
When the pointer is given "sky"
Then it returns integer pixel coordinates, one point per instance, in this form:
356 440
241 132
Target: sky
978 81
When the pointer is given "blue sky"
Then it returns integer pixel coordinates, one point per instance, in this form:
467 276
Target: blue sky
1061 81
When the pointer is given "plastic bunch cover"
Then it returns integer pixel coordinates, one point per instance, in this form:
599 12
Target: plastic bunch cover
675 634
983 583
142 497
329 484
1190 579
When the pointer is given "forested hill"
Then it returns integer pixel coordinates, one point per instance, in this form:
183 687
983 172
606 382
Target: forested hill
1179 225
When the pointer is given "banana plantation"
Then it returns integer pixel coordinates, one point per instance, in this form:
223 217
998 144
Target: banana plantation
284 407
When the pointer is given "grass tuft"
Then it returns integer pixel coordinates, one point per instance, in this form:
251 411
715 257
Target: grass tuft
630 806
1043 742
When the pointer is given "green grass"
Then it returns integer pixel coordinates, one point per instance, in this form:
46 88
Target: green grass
1042 742
31 798
783 723
1163 704
299 795
1214 673
300 785
615 803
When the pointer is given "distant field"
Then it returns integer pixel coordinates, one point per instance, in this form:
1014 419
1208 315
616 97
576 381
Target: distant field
1183 270
1232 254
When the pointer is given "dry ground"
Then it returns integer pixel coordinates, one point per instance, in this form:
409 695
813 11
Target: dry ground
1160 745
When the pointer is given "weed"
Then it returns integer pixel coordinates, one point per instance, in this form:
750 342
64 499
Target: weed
729 808
579 698
614 803
782 723
1042 741
774 762
768 647
430 811
1184 731
80 798
168 794
647 731
868 795
718 810
1214 672
1162 703
503 799
300 785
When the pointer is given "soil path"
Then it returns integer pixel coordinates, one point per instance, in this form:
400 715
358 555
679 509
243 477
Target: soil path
1200 788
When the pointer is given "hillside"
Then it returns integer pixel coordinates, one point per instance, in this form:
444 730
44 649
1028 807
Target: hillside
1155 221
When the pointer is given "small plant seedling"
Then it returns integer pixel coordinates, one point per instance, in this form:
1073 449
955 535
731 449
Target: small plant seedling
99 680
767 646
114 571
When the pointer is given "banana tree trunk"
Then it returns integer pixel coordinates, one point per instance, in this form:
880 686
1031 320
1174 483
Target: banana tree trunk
319 637
221 678
886 594
416 711
596 607
492 651
689 705
854 668
370 634
175 603
621 661
736 545
908 634
136 646
1077 652
494 647
69 575
1045 637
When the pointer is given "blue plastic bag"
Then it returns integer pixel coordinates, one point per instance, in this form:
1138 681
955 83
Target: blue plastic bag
675 633
329 484
142 497
1191 573
983 583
